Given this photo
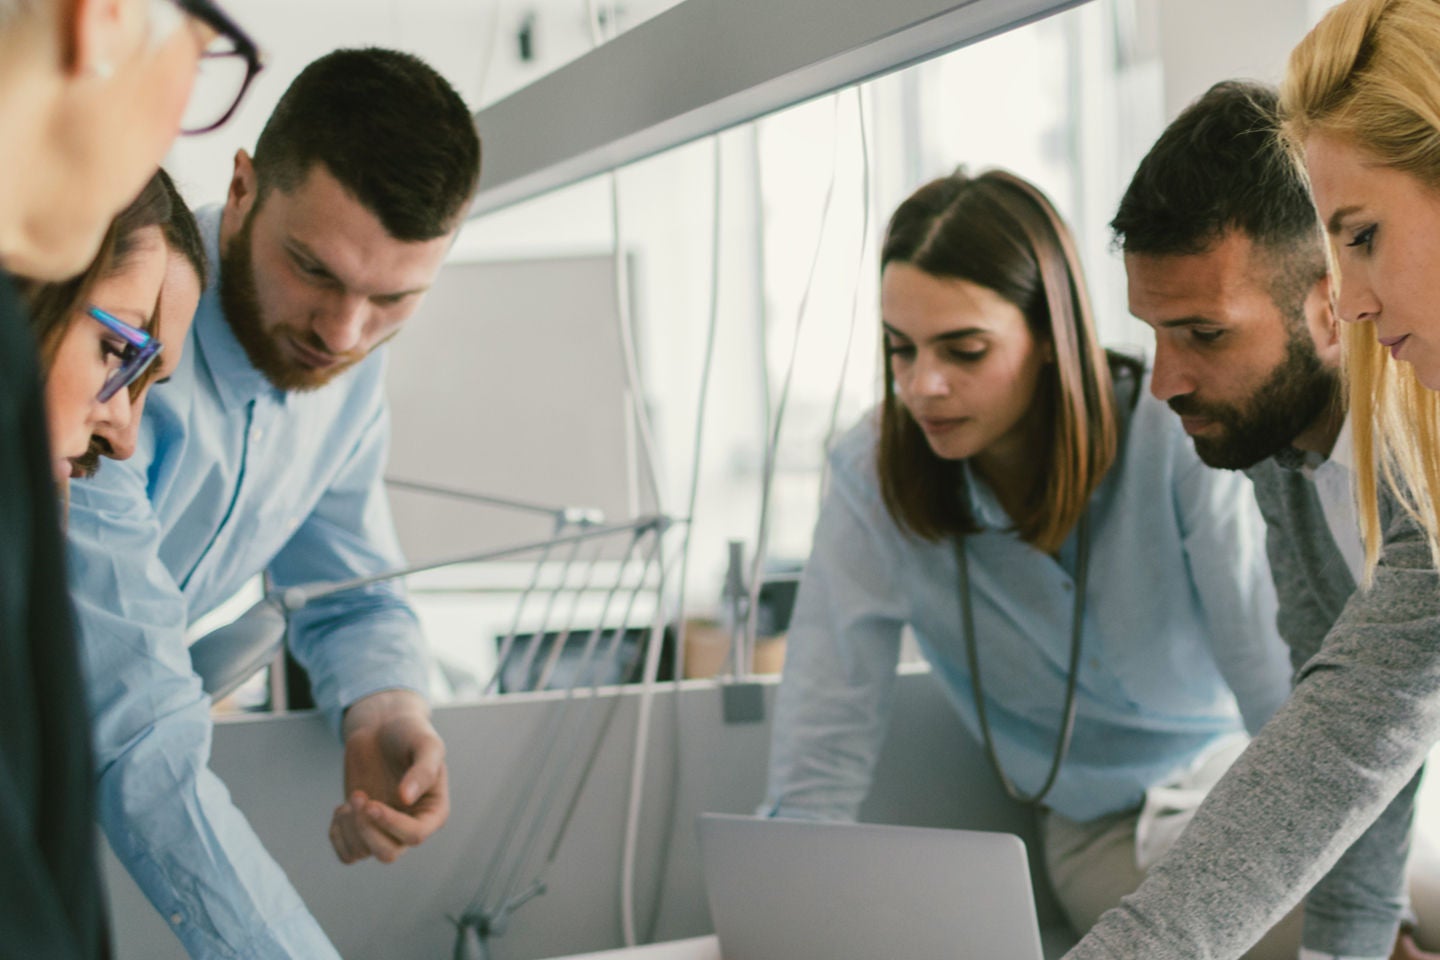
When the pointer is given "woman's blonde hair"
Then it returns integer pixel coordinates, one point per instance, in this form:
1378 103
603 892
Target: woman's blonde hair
1369 74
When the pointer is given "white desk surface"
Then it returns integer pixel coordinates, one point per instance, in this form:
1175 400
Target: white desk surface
698 948
1055 943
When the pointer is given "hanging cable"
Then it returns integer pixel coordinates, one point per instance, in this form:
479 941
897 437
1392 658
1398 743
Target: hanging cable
773 446
855 301
637 779
535 796
532 648
762 303
492 37
635 390
557 647
592 23
507 645
637 767
640 418
700 408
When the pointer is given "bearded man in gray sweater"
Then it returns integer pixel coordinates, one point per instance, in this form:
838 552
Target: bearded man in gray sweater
1225 262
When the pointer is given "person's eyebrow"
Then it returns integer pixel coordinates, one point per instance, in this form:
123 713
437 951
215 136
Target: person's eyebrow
399 294
1182 322
299 248
960 334
1334 224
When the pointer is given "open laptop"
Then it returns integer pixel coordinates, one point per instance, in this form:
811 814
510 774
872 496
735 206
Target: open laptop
801 890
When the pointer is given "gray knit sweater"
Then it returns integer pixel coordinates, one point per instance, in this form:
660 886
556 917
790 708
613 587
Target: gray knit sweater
1334 770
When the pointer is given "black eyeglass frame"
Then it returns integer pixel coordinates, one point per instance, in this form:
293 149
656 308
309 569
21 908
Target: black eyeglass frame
219 21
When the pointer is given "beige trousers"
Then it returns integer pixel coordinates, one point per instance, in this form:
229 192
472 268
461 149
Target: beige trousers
1093 865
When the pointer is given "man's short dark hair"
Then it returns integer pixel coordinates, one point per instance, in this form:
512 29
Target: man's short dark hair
1220 167
390 129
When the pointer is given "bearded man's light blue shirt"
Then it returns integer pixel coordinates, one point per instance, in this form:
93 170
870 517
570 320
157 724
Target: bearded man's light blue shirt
231 478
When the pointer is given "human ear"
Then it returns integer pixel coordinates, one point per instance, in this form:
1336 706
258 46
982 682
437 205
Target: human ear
96 35
240 197
1322 323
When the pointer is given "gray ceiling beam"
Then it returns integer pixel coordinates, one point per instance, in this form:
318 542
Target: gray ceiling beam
704 66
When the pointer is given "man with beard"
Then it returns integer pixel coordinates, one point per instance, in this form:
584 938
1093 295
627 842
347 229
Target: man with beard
1224 259
265 454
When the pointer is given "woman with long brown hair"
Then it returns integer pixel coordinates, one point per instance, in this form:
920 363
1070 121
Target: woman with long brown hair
1092 598
106 335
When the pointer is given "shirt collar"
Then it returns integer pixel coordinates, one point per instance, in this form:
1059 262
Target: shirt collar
235 377
984 505
1342 454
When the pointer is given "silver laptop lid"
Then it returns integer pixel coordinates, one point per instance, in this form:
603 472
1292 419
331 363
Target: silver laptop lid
802 890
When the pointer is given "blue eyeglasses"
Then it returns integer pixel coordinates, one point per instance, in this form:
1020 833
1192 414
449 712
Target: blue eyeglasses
140 351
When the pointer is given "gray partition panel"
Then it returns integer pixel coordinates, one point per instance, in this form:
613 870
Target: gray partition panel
284 774
467 413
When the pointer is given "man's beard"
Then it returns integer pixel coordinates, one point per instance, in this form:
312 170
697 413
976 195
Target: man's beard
1294 396
242 311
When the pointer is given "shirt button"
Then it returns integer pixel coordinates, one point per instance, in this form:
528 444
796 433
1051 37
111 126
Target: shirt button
257 434
176 919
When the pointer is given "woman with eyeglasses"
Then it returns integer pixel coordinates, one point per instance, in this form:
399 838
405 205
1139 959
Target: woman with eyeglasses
103 335
92 93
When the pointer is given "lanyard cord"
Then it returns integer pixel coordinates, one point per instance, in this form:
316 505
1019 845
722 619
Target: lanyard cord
972 656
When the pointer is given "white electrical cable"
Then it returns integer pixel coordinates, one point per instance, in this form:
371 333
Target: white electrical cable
639 415
772 448
637 767
491 42
592 23
708 364
855 301
641 743
641 420
762 303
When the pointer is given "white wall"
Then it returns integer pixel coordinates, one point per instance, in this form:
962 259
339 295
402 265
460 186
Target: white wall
1204 41
472 44
507 383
